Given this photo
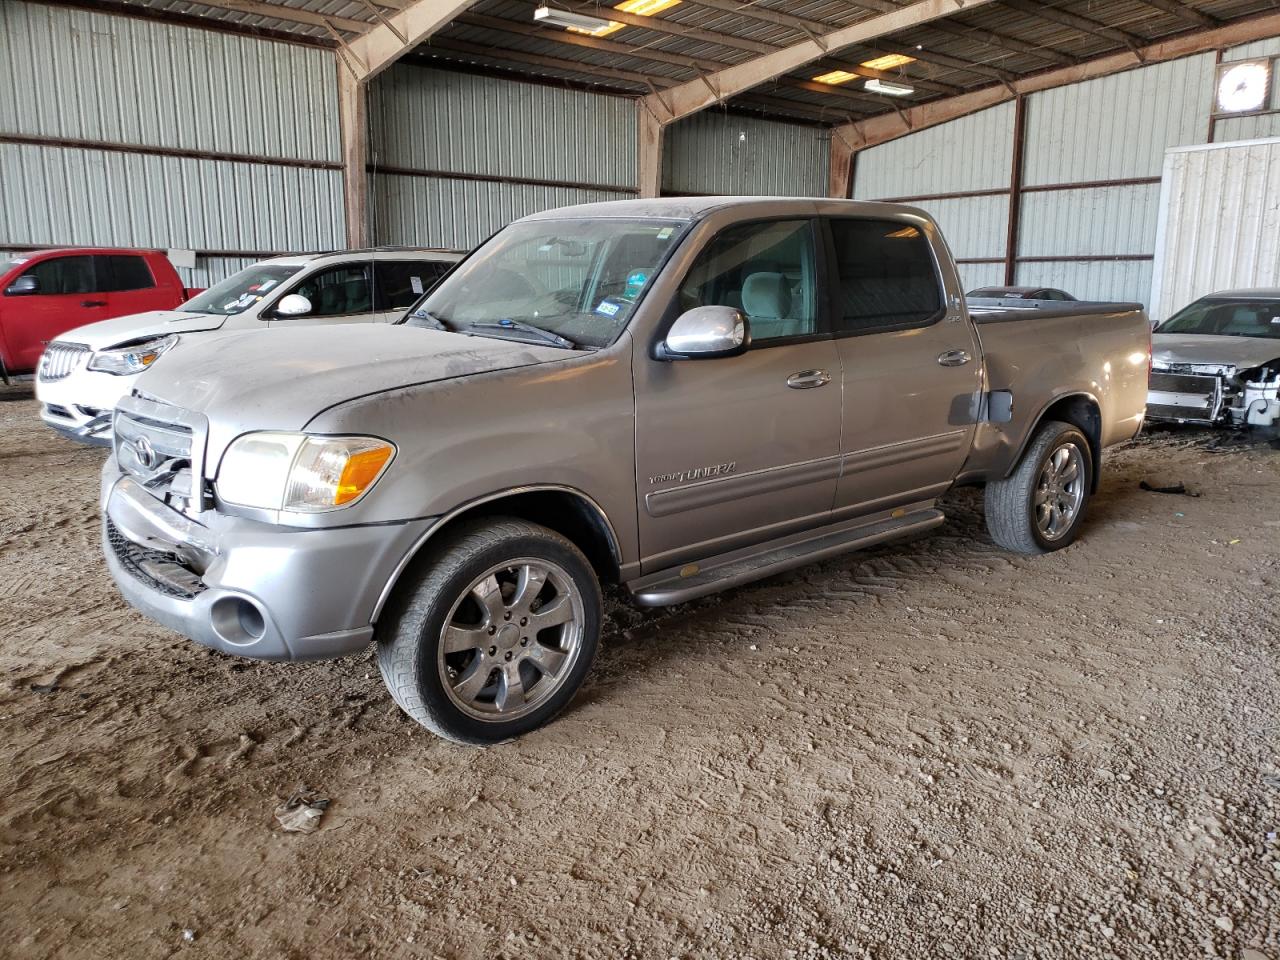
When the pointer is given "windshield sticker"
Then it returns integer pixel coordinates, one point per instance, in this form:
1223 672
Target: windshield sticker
635 283
608 309
265 285
415 284
666 232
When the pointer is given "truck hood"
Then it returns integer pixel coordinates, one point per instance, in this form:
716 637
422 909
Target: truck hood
1239 352
281 379
139 326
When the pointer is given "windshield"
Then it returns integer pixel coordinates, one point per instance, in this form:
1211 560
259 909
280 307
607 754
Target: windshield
1227 318
240 291
577 279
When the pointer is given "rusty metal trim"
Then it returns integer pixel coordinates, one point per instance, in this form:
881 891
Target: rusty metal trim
68 143
382 168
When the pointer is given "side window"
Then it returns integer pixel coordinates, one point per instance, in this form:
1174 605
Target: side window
766 270
401 282
885 276
64 275
338 291
123 272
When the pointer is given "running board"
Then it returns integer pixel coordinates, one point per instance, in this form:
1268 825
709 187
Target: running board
667 587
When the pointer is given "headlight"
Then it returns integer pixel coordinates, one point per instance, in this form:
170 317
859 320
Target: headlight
301 474
134 359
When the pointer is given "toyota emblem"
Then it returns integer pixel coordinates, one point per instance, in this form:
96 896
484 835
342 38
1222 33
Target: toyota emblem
145 452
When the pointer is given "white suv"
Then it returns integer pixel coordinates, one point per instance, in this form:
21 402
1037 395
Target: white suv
85 371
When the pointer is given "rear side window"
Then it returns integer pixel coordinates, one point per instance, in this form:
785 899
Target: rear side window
123 272
885 275
64 275
399 283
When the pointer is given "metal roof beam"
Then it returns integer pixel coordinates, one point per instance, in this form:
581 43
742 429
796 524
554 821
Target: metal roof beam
699 67
288 14
688 98
808 26
1075 22
881 129
386 42
1183 11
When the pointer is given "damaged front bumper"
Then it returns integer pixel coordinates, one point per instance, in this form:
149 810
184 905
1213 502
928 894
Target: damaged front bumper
1214 395
245 587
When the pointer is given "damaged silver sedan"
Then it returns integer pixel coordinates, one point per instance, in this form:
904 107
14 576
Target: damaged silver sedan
1217 362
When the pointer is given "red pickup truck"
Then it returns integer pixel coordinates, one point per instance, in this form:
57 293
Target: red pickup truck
48 292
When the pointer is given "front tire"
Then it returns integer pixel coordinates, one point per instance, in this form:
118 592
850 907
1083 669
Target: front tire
1040 506
495 635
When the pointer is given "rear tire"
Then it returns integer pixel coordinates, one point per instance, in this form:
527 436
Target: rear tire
494 636
1039 507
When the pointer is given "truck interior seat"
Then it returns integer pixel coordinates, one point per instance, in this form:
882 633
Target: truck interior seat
767 302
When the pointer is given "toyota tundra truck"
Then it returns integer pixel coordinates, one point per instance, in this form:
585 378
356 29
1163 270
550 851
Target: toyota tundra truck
673 396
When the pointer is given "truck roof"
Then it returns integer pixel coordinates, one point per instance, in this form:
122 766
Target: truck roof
1254 293
372 253
692 208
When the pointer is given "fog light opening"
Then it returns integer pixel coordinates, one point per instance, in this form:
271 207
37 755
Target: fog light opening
237 620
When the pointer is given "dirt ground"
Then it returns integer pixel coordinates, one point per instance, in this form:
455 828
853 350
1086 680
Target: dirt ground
927 750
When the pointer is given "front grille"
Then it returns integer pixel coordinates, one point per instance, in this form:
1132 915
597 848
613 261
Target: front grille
158 450
163 572
60 360
1183 383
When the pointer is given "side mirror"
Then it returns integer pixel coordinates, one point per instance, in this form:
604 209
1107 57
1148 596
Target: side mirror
705 333
294 305
23 286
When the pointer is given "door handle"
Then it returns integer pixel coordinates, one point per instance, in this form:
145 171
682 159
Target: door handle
808 379
93 303
954 358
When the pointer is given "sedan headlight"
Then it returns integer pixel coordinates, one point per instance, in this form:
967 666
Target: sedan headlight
298 473
132 359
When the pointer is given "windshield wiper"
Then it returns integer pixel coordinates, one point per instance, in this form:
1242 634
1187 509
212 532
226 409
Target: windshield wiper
514 325
429 320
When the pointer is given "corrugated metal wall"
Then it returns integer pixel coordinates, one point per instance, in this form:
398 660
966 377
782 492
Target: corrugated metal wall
968 155
462 155
1093 155
929 163
714 152
59 195
1220 222
1117 127
160 96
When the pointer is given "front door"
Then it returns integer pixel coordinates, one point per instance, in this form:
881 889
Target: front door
66 297
737 450
339 294
912 367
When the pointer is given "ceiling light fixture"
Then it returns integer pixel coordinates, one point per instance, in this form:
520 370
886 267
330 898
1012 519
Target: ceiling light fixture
889 61
598 26
835 77
890 89
646 8
577 22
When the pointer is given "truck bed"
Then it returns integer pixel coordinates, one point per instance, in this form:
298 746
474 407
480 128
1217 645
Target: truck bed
1040 352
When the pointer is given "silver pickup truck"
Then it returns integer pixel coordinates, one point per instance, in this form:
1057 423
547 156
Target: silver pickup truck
676 396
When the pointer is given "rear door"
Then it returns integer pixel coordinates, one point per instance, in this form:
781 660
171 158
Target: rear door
128 286
738 450
911 362
66 296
